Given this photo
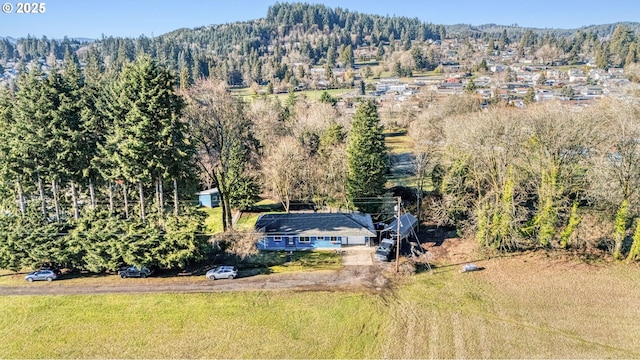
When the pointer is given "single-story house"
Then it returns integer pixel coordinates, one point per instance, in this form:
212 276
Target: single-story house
209 198
310 231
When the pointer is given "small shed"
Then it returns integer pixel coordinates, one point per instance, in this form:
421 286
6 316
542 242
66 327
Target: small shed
209 198
408 225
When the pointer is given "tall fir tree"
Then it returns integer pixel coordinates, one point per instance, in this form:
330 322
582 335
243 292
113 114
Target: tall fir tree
366 156
34 115
148 138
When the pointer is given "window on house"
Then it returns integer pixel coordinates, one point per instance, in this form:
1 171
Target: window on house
277 238
320 238
335 239
305 239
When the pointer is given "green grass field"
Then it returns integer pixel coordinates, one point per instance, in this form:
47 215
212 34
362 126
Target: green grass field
213 222
399 144
527 306
247 222
238 325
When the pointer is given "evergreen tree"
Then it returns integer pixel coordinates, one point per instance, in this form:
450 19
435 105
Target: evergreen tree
94 117
147 142
325 97
346 56
8 171
621 39
366 156
530 96
491 47
631 56
34 117
331 57
67 128
542 80
470 88
418 57
602 57
397 69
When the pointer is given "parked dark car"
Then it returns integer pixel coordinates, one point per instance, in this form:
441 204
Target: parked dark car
134 271
48 275
222 272
386 249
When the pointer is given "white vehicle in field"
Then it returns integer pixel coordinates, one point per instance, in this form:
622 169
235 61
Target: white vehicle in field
222 272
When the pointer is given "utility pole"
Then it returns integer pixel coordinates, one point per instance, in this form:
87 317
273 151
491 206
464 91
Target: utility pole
398 235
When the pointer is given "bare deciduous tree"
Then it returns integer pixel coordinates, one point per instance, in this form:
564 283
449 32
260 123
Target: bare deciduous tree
284 169
225 143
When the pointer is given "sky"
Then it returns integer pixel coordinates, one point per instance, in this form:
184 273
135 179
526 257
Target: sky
133 18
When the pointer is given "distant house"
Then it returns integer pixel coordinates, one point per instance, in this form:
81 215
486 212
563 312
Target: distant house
209 198
497 68
310 231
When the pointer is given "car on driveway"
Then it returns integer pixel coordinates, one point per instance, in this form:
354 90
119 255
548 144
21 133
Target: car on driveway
48 275
222 272
134 271
385 251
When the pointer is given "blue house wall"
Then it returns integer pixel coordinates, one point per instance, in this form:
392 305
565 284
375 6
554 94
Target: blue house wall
293 243
209 200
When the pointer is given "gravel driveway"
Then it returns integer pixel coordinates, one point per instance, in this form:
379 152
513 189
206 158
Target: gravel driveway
359 273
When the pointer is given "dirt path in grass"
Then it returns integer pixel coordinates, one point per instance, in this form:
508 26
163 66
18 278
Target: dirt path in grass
359 273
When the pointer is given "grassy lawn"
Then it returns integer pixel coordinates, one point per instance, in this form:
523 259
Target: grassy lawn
527 306
516 310
300 261
247 221
245 91
224 325
213 222
398 144
315 94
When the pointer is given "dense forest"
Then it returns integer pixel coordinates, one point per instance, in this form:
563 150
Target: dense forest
101 154
282 48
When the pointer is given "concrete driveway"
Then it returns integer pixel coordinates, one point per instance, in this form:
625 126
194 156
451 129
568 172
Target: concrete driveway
358 255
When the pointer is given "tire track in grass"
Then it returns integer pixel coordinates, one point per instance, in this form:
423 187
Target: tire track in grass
416 326
485 353
434 338
459 351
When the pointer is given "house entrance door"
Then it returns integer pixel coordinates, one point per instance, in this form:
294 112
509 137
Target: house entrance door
290 241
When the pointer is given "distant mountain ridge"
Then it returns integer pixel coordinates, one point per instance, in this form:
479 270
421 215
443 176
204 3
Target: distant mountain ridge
293 39
602 30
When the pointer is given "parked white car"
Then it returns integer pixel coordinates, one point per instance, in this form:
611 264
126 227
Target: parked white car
222 272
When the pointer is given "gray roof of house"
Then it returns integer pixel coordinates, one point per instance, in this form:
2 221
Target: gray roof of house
208 192
311 224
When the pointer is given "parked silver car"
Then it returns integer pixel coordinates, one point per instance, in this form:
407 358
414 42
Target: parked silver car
222 272
48 275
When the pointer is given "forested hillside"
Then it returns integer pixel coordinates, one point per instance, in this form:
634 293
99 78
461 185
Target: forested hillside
103 145
283 47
